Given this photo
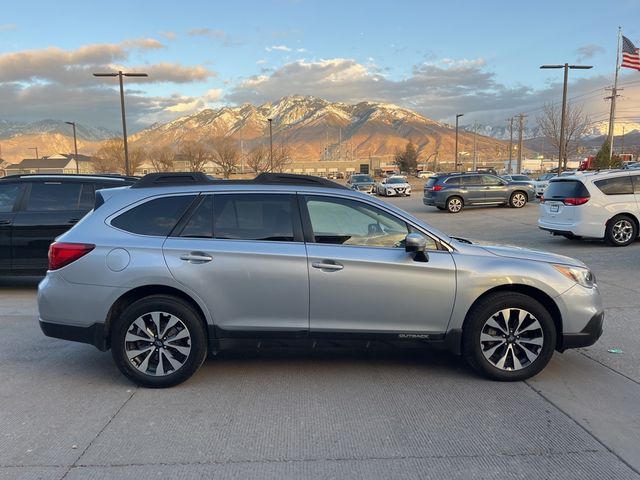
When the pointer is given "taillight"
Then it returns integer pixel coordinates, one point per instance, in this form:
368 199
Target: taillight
437 188
575 200
61 254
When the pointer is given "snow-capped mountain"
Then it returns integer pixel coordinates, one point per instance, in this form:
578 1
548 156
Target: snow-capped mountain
316 129
83 132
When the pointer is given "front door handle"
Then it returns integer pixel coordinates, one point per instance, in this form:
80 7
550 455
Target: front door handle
5 222
196 257
327 266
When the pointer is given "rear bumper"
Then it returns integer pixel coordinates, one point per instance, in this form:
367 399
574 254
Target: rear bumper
93 334
588 336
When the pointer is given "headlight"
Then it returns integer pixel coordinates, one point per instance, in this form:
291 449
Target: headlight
582 276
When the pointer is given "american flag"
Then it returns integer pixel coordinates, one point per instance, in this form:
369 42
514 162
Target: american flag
630 54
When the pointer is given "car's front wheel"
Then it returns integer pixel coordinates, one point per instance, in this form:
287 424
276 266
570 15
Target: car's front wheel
158 341
508 336
518 200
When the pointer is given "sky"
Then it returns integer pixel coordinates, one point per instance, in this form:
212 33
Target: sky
437 58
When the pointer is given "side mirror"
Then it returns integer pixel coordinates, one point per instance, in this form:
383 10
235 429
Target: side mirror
416 243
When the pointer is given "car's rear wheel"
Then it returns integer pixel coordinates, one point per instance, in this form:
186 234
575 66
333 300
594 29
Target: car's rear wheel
518 200
454 204
158 341
508 336
621 231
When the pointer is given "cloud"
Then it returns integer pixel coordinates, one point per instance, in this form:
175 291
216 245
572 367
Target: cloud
223 37
57 83
169 35
588 51
5 27
278 48
213 95
436 90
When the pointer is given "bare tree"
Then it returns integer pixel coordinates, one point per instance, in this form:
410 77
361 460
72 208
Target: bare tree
161 159
196 154
258 159
576 123
226 154
110 157
281 157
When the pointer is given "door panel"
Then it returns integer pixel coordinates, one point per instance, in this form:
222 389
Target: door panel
472 189
379 290
495 189
9 196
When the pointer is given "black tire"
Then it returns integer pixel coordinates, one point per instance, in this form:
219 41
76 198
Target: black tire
621 231
516 363
518 199
160 354
455 204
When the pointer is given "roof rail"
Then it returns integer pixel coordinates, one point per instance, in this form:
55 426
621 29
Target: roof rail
198 178
294 179
172 178
72 175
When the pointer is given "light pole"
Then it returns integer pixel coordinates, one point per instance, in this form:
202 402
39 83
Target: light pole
566 68
36 149
456 157
270 120
121 74
75 145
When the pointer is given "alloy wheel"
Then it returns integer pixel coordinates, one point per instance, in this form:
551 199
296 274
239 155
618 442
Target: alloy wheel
455 205
511 339
518 200
157 343
622 231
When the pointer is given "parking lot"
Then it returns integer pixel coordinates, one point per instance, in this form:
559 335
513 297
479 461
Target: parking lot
68 413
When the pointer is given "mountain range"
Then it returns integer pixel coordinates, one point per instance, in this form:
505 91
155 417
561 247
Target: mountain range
313 128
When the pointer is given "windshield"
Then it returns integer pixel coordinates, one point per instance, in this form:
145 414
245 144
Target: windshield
361 179
396 180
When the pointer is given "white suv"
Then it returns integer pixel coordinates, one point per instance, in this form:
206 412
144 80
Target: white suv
597 205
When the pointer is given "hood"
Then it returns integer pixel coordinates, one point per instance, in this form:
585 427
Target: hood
527 254
509 251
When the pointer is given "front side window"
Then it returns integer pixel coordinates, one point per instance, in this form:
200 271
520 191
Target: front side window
156 217
264 217
348 222
8 196
491 180
471 180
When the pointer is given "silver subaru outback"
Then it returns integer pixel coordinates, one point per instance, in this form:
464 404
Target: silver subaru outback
179 265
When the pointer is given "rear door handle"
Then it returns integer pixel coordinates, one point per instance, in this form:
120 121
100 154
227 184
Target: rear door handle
5 222
196 257
327 266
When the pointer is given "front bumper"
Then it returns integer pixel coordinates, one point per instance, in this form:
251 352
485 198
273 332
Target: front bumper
588 336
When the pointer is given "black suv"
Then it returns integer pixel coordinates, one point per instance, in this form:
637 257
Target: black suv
453 191
35 209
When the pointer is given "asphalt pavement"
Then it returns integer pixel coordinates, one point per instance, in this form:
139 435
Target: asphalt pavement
324 414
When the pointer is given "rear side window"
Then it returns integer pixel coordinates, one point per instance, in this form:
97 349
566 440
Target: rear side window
56 196
453 181
560 189
265 217
615 186
8 195
156 217
200 225
471 180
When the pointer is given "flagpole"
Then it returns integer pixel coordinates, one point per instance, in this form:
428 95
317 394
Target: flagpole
614 94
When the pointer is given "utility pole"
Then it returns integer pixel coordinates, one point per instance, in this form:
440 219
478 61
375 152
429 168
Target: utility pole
622 142
521 118
475 157
614 94
510 120
455 160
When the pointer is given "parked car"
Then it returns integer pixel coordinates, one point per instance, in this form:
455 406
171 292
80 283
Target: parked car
362 182
517 177
177 262
453 191
595 205
542 182
35 209
425 174
393 186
